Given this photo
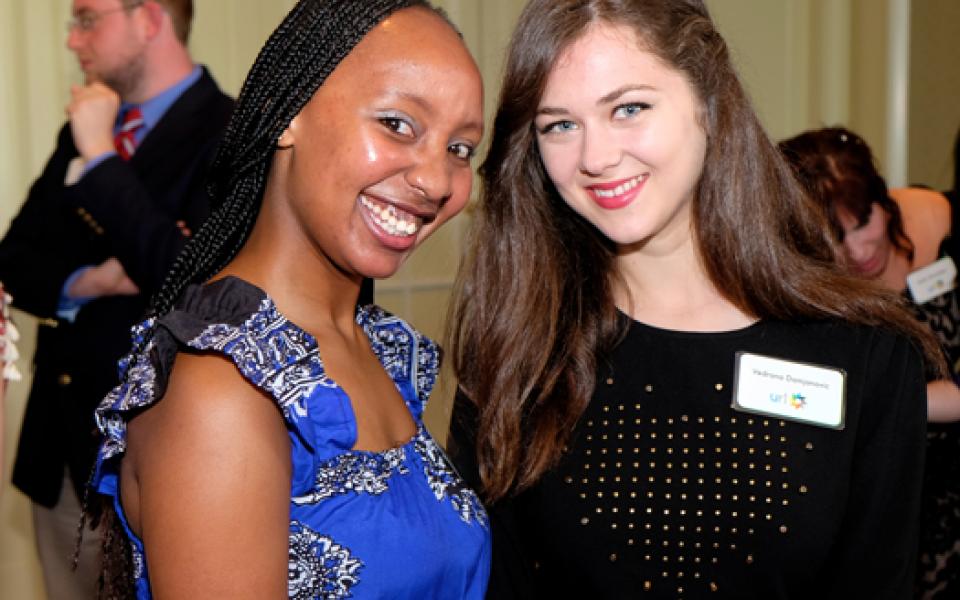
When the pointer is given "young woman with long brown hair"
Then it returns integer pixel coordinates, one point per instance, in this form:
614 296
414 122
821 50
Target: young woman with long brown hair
669 387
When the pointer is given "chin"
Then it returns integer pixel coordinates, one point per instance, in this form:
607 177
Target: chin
624 238
380 268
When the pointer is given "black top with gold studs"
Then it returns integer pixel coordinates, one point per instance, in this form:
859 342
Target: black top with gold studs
666 491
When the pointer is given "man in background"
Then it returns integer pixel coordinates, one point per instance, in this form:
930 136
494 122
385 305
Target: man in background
100 227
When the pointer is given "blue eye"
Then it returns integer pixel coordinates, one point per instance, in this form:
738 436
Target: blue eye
630 110
461 151
558 127
397 125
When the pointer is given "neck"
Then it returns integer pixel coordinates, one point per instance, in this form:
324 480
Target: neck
665 285
167 63
310 291
305 284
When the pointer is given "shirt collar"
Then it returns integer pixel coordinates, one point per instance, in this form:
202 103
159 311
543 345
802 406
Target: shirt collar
154 108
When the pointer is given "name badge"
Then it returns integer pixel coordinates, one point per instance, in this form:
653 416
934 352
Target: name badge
791 390
933 280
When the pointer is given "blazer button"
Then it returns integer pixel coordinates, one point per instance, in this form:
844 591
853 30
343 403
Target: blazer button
64 380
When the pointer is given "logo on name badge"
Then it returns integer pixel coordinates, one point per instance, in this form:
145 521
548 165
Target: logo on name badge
786 389
794 401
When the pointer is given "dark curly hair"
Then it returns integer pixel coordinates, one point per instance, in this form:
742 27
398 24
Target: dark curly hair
839 172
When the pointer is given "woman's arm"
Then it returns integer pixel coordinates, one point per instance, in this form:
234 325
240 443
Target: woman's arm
876 554
206 486
943 401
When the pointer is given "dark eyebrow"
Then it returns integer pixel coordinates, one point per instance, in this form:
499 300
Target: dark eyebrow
549 110
611 97
425 104
416 99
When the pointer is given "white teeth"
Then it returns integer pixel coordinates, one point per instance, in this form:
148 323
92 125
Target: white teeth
391 219
620 189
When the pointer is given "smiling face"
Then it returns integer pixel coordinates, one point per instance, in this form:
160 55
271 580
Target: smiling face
867 245
381 155
619 135
109 42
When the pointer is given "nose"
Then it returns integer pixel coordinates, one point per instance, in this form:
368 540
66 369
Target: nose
73 38
431 176
599 151
856 250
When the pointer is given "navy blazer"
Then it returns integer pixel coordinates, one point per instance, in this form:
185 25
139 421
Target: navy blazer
124 209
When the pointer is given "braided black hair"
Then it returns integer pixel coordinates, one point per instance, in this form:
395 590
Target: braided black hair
295 61
306 47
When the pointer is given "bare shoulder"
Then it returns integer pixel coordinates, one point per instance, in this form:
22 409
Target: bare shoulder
210 468
926 220
207 403
922 204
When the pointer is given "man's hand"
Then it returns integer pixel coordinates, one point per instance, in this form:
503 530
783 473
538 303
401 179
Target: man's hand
106 279
92 112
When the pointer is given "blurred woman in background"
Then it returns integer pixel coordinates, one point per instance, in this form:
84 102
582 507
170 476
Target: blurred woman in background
900 238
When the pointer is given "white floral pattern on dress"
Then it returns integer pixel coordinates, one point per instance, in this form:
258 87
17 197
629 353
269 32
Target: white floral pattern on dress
283 360
138 389
445 482
404 353
139 563
319 567
358 472
273 354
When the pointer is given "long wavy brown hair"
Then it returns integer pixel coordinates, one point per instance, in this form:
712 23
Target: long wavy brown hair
533 313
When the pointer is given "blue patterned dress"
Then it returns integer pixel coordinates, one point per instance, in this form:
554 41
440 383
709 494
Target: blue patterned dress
394 524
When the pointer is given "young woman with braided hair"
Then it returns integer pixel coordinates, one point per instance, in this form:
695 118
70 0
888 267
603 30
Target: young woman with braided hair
266 438
670 387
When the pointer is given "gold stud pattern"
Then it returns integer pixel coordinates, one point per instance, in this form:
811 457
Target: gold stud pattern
706 490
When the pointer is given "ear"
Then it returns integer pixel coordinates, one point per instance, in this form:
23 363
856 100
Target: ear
154 17
285 140
288 138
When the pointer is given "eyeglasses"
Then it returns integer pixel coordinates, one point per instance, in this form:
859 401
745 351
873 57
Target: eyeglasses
86 21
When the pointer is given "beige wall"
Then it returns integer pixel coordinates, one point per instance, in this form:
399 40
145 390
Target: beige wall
934 91
868 81
770 43
812 63
806 63
34 78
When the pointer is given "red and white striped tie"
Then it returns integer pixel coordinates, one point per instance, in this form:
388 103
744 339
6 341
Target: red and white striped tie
125 140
